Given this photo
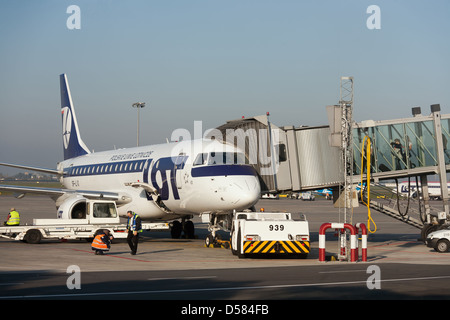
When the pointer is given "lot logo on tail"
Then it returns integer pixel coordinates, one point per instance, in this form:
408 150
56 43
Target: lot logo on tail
67 125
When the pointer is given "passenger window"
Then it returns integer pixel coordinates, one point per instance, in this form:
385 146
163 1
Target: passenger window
200 159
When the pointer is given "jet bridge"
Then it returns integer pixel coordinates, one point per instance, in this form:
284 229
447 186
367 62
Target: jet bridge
300 158
293 159
286 158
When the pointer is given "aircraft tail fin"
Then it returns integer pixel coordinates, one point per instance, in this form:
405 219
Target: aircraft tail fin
72 143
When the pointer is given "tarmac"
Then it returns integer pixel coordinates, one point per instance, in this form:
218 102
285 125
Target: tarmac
392 242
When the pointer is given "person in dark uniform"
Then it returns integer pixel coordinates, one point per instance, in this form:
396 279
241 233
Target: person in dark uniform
134 227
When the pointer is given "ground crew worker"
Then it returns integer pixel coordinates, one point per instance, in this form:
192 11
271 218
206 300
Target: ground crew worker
102 242
13 218
134 227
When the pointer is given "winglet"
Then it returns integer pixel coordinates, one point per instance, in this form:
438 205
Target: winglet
72 143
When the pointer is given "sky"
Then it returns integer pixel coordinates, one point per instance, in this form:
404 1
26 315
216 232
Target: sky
209 61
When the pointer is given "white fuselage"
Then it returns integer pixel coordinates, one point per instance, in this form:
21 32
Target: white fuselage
434 189
187 178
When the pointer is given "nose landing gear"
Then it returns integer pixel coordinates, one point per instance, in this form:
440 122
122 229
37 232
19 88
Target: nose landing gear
215 241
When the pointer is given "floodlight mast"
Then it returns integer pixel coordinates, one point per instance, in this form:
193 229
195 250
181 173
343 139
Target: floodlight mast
138 106
346 103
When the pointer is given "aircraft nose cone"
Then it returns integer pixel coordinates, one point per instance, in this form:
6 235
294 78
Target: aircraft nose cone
246 192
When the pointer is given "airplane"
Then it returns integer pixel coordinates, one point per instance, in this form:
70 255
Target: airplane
327 192
165 182
434 189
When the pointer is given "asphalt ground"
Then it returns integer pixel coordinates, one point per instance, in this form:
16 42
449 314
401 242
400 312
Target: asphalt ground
184 269
393 241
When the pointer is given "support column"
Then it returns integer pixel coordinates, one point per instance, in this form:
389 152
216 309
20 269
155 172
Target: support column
436 111
426 197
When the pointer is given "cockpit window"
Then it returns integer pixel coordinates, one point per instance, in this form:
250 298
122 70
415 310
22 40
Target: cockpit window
200 159
226 158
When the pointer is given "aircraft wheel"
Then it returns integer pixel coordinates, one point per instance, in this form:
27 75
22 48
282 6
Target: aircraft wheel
209 240
176 230
189 230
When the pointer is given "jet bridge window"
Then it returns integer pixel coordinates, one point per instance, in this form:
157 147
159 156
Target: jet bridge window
104 210
282 153
226 158
398 146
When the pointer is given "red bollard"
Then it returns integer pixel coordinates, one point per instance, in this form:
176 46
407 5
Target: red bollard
353 240
363 240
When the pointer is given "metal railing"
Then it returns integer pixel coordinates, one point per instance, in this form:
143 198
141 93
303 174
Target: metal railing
409 209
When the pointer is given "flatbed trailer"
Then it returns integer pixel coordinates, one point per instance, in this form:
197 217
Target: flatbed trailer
36 233
97 216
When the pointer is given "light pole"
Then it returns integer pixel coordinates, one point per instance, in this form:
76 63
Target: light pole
138 106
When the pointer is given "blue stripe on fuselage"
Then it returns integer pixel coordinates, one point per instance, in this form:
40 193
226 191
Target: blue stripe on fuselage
223 170
106 168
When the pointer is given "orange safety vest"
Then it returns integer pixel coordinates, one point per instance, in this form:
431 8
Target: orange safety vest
98 244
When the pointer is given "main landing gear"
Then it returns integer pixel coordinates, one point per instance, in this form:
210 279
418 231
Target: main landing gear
186 226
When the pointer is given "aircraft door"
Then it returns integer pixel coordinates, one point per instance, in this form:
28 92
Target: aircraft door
179 165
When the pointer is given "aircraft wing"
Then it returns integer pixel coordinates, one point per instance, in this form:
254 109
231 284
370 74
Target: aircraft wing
49 171
55 192
52 192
